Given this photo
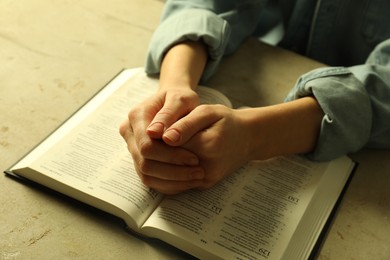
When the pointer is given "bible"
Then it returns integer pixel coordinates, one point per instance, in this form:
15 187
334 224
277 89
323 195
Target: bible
272 209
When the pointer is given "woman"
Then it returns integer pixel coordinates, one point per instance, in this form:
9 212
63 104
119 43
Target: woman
330 112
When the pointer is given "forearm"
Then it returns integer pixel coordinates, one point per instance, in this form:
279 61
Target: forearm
355 101
183 65
283 129
221 26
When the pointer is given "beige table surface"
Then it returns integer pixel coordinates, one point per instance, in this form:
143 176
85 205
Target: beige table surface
55 54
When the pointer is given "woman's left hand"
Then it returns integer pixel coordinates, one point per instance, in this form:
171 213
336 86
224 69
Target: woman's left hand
217 135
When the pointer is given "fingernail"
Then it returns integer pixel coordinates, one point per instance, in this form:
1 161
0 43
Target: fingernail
156 128
172 135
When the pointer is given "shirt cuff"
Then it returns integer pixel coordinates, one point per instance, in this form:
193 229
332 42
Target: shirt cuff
346 124
193 25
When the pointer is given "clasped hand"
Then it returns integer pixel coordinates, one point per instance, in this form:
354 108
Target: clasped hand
177 144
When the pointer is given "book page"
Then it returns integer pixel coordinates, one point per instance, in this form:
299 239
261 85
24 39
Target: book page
88 159
211 96
93 158
251 215
319 209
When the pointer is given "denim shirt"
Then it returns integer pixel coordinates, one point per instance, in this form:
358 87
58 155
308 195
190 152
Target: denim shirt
351 36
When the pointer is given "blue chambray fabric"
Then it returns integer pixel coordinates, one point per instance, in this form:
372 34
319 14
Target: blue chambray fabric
351 36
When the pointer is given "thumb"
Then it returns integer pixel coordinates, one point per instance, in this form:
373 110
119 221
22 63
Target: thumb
184 129
173 109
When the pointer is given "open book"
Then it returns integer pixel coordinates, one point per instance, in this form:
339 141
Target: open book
269 209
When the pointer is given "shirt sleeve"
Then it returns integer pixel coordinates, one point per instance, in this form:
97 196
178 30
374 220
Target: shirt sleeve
222 25
356 104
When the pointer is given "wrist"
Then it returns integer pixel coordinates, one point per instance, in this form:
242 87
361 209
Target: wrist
283 129
174 86
183 65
